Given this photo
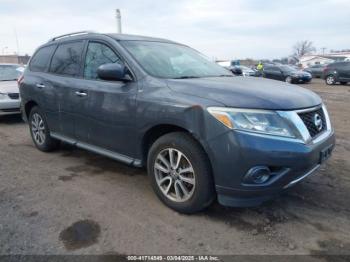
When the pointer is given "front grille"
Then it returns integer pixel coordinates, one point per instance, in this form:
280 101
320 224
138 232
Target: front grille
13 95
310 123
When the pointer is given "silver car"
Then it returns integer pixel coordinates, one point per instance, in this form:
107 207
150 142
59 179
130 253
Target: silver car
9 93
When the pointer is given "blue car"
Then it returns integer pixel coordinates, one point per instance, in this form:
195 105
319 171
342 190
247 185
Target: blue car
202 133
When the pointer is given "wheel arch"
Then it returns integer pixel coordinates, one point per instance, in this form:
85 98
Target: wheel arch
155 132
28 107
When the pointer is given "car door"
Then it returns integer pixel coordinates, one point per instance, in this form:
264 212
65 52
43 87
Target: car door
111 108
347 71
341 69
275 73
318 71
37 80
267 72
66 77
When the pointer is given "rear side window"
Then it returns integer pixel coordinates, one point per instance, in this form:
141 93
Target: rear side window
98 54
67 59
41 59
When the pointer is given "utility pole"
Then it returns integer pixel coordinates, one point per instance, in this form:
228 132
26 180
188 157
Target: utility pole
16 40
323 49
119 21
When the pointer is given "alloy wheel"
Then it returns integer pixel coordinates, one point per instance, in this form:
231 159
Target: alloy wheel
174 175
330 80
38 129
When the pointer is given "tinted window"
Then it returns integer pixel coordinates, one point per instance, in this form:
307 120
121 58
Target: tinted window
96 55
67 58
272 68
41 59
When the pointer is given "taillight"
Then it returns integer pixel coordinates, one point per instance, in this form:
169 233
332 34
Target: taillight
20 79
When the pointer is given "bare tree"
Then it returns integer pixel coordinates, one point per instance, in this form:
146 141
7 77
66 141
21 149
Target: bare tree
303 48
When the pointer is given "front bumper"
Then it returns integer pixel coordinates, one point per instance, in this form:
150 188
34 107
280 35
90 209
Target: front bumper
10 106
234 153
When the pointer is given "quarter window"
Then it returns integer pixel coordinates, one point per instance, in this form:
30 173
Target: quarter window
41 59
67 58
98 54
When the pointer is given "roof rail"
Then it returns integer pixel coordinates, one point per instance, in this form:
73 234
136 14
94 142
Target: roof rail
70 34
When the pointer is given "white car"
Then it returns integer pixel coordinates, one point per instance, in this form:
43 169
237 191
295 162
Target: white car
9 93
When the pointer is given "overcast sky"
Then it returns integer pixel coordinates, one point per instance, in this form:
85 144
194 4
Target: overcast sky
224 29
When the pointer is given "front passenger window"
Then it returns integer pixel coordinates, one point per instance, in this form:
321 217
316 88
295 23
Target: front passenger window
96 55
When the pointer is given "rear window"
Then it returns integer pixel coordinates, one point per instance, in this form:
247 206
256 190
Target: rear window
10 72
67 59
41 59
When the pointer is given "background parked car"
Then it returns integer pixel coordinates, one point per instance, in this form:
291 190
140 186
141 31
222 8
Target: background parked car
240 70
286 73
337 72
236 70
315 70
9 93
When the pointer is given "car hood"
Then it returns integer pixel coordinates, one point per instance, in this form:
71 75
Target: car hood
8 87
244 92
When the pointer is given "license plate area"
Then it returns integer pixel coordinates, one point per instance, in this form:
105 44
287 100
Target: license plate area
325 154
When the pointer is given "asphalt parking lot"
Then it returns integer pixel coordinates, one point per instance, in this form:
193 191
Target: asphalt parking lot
76 202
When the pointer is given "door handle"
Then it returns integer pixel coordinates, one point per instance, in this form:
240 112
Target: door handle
81 93
40 86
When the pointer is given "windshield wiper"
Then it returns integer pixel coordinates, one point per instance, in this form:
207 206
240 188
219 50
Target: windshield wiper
8 79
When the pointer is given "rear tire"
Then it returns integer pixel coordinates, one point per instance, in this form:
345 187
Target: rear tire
40 132
343 83
186 192
330 80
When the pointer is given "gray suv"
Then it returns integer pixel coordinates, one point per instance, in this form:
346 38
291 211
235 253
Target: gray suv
201 132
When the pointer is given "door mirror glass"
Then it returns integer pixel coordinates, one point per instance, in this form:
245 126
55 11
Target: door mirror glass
113 71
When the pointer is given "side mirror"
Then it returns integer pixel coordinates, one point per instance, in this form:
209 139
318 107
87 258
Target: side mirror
113 71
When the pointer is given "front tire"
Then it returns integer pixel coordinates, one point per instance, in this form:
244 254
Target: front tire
343 83
40 132
180 173
330 80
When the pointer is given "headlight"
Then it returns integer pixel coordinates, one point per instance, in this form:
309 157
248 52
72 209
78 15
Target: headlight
258 121
3 96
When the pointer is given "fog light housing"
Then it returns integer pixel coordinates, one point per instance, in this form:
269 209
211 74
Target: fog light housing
257 175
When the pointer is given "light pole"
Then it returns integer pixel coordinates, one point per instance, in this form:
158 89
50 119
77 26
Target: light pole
119 21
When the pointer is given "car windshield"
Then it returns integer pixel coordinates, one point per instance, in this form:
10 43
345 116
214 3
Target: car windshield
9 72
168 60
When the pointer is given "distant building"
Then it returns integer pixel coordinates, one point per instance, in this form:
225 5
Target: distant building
309 60
14 59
